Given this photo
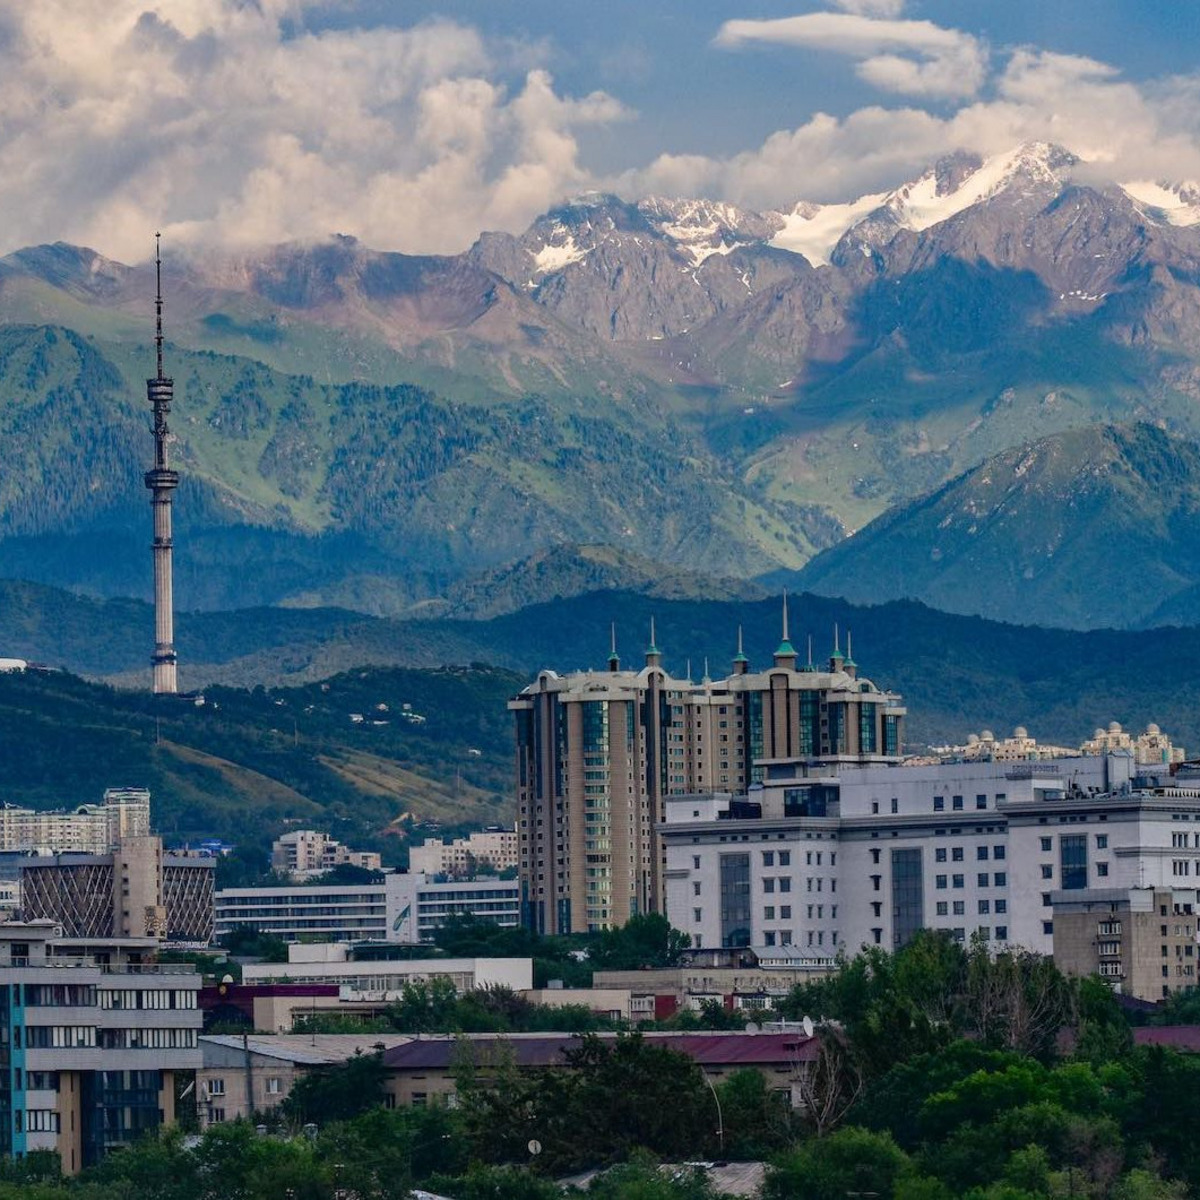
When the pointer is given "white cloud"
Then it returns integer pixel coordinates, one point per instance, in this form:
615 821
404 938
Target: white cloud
1125 131
872 8
222 120
913 57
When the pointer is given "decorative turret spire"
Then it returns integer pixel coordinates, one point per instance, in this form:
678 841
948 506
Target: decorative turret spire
785 656
836 660
741 664
849 665
614 661
809 666
653 656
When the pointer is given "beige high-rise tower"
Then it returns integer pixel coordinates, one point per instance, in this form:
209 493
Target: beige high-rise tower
162 482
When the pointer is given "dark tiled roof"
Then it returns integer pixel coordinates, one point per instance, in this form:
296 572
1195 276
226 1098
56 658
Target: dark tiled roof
545 1050
1177 1037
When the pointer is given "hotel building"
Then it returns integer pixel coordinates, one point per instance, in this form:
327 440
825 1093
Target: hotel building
599 753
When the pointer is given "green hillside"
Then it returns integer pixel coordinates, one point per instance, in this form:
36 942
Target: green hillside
1094 527
958 673
247 764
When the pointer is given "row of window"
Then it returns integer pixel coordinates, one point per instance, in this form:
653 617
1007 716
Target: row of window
982 879
999 853
983 907
957 803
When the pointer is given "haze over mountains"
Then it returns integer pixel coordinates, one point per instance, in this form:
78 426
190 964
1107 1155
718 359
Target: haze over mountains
723 391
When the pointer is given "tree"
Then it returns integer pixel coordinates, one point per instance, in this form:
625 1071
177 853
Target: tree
647 940
850 1162
830 1084
337 1093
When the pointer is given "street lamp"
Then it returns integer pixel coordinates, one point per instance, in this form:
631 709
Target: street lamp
720 1118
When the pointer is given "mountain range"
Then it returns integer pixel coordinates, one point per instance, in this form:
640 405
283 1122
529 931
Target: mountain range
724 392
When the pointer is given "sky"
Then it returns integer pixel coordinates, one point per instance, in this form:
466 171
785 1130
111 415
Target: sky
414 126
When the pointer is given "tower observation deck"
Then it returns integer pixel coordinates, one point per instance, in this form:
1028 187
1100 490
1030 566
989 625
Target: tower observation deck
162 482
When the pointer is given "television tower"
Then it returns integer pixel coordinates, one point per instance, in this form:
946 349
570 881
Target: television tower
162 482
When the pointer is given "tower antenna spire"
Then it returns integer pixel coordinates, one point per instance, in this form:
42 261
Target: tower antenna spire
158 333
785 615
161 481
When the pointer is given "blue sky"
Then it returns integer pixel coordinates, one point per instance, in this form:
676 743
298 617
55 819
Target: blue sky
415 125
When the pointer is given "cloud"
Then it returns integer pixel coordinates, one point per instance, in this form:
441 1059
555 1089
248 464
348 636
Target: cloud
224 120
911 57
872 8
1123 130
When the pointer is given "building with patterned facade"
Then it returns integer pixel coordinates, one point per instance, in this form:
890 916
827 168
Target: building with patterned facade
136 890
599 752
97 1040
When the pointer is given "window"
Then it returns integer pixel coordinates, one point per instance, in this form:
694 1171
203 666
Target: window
895 805
216 1115
998 852
1072 849
956 803
695 862
696 888
769 913
960 907
768 858
216 1087
768 885
1047 871
1048 927
985 908
940 881
1001 933
785 913
940 854
274 1085
1047 845
1045 899
769 937
942 908
1001 906
981 802
956 854
697 915
1102 841
957 881
939 804
1102 869
981 853
981 879
1000 879
785 858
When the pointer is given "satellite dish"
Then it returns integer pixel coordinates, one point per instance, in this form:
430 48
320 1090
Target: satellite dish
807 1026
535 1147
752 1028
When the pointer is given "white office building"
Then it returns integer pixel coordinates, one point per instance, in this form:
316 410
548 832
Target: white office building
405 907
832 856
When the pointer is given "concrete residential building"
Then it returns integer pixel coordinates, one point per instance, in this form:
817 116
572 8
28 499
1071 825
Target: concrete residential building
599 752
405 907
304 853
824 856
243 1076
88 829
493 850
364 972
1142 941
95 1034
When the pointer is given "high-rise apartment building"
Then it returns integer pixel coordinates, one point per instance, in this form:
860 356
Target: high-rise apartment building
598 753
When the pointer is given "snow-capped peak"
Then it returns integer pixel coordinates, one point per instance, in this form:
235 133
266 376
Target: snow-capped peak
702 228
943 191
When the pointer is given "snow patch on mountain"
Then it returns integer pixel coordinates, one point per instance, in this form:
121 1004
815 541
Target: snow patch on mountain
554 256
814 229
1177 204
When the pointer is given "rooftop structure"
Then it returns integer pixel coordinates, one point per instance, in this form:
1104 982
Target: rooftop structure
1151 748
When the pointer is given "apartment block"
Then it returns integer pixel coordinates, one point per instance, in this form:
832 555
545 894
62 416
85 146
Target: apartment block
1142 941
599 753
304 853
87 829
491 850
94 1035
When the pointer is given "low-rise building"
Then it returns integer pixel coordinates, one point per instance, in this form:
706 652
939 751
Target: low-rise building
422 905
422 1071
242 1076
96 1036
492 850
304 853
1141 941
86 829
369 973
